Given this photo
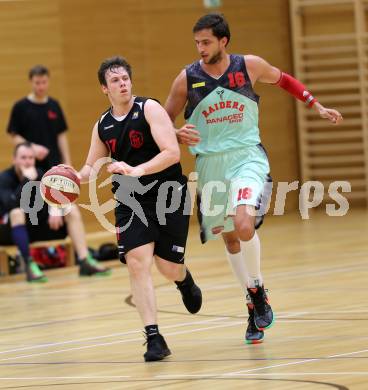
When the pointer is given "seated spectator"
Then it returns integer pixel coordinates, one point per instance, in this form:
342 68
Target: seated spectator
17 229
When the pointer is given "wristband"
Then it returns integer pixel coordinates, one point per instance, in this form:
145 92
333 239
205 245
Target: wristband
296 88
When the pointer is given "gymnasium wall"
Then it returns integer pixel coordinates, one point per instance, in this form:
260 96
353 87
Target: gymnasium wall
73 37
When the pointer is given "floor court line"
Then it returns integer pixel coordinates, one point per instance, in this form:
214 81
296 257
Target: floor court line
171 361
236 373
296 363
250 372
307 373
63 377
184 376
117 342
46 323
127 333
32 347
287 274
278 374
101 315
110 335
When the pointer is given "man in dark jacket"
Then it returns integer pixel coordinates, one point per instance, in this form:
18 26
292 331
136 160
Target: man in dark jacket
16 227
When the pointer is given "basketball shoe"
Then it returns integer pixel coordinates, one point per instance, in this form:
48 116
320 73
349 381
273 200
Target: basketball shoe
91 267
34 274
253 335
191 294
263 315
157 348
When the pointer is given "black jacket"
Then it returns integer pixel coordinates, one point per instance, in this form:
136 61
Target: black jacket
11 189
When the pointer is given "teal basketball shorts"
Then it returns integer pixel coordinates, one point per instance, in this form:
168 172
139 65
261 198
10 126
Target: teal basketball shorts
227 180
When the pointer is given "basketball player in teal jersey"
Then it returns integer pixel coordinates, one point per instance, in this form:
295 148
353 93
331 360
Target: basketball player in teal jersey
222 131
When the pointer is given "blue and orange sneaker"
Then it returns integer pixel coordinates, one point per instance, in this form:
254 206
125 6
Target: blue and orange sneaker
253 335
263 315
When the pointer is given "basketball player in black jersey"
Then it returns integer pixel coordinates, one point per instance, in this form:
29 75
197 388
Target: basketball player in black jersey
138 134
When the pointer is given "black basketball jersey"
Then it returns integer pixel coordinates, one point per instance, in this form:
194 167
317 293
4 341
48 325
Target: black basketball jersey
130 140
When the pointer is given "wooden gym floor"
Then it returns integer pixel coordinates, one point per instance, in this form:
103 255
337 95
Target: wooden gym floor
76 333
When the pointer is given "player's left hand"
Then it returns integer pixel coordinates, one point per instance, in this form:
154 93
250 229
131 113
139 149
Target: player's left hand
188 135
136 172
328 113
125 169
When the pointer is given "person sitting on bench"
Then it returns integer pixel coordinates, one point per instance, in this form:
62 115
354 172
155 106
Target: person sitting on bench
17 229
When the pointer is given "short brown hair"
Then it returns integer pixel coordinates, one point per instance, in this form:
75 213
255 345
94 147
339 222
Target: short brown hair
215 22
26 144
110 64
38 70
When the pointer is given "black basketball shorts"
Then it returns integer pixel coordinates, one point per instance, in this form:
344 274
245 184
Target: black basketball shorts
168 231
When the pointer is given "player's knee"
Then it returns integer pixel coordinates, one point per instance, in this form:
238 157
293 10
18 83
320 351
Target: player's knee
17 217
246 235
232 245
244 229
136 266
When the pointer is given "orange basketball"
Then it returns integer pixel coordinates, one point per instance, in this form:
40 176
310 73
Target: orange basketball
60 186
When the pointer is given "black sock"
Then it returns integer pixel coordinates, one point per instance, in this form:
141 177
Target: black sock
151 330
187 282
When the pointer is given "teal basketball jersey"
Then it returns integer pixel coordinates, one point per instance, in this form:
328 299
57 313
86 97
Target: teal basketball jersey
224 110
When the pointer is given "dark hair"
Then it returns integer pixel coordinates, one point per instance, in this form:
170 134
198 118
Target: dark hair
25 144
217 23
110 64
38 70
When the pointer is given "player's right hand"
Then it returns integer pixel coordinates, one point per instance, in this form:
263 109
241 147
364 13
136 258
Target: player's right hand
76 173
66 166
188 135
40 151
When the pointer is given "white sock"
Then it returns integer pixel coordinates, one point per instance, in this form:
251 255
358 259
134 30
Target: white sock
237 264
251 251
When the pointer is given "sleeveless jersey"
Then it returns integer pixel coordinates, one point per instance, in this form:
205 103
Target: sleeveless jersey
224 110
131 141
